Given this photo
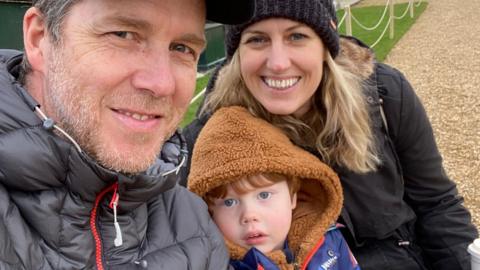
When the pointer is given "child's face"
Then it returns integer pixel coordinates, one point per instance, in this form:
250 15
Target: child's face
260 218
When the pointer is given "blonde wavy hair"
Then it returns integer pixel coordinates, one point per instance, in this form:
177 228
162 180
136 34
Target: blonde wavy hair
337 125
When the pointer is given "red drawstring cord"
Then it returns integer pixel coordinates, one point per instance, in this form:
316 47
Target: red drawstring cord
113 204
93 220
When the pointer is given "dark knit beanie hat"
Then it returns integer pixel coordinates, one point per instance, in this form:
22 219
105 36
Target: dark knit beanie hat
317 14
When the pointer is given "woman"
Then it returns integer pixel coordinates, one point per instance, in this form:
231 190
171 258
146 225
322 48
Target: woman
289 66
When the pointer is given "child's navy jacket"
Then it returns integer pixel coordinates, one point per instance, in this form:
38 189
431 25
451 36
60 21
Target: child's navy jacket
331 253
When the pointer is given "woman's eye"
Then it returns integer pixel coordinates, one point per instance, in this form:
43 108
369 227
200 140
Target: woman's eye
124 34
230 202
264 195
297 36
256 40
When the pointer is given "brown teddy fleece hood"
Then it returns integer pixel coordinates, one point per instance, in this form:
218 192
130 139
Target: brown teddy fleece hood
234 143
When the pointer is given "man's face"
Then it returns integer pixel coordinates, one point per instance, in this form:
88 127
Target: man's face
123 75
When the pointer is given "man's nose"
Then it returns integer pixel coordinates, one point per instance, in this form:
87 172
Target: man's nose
278 58
155 74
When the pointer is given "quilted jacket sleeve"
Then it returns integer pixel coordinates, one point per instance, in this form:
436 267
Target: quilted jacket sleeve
19 248
182 235
219 255
444 228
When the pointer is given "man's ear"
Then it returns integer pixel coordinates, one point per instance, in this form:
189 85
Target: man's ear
34 38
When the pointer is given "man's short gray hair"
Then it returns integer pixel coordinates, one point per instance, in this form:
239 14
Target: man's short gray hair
54 13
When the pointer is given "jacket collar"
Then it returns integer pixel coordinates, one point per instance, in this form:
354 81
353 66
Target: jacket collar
277 260
356 57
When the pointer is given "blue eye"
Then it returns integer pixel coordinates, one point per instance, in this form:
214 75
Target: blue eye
123 34
184 50
230 202
297 36
256 40
181 48
264 195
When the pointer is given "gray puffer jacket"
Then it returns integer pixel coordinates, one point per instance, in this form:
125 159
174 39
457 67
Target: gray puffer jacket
55 202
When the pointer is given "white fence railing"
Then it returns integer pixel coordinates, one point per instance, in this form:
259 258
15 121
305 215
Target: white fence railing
349 17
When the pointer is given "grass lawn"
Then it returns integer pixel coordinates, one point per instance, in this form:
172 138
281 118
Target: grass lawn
369 17
192 110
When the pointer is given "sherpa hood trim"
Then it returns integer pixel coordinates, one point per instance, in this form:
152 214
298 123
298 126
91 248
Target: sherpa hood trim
234 143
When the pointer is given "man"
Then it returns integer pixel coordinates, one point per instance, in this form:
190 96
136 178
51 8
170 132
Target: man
83 118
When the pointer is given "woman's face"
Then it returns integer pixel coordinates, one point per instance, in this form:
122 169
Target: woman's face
281 62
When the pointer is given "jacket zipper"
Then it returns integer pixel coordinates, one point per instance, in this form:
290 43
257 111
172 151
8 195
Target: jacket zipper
93 222
312 253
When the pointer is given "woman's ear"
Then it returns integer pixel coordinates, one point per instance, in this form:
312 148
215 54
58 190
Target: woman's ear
34 38
333 25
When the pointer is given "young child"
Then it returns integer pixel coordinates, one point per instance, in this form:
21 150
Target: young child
274 202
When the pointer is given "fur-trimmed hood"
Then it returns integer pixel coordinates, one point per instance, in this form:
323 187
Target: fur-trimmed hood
356 57
234 143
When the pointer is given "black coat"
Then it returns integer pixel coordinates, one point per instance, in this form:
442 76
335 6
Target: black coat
407 213
54 202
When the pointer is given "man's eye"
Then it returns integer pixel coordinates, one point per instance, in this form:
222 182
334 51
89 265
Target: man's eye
124 34
230 202
264 195
178 47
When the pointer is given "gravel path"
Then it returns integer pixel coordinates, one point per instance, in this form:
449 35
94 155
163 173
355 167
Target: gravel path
440 55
